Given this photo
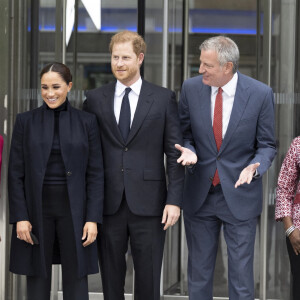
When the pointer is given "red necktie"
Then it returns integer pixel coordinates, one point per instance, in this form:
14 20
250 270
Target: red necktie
217 128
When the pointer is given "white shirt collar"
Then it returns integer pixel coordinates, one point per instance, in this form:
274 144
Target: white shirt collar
136 87
229 88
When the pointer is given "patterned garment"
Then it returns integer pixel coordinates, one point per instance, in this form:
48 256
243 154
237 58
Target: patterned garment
288 187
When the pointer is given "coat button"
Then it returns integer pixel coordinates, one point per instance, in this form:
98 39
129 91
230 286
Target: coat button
69 173
126 149
218 158
122 170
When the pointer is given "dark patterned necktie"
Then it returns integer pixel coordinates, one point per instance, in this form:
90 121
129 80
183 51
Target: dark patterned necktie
125 115
217 128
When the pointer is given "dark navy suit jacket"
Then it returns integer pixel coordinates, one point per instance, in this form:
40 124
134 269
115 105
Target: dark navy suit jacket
138 165
249 139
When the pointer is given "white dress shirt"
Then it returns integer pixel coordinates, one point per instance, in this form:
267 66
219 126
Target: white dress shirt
228 94
133 98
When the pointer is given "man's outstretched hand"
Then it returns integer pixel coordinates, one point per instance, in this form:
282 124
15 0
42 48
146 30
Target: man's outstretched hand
247 174
187 157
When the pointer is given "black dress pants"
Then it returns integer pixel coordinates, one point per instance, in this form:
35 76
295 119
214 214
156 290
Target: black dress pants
146 237
57 224
295 269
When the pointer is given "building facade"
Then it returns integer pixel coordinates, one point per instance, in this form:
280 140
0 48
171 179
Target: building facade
36 32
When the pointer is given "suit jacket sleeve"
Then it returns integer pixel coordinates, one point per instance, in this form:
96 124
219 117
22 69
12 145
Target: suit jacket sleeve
16 176
265 136
188 140
173 136
94 175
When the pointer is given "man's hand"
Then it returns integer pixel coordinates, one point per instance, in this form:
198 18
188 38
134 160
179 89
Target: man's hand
295 240
187 157
89 233
170 215
247 174
23 231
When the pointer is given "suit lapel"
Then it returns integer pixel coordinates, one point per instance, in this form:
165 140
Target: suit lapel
142 109
240 101
205 112
109 113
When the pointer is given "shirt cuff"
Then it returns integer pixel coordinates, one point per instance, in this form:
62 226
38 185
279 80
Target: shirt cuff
256 174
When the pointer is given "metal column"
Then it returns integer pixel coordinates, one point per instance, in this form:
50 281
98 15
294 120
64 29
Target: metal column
267 40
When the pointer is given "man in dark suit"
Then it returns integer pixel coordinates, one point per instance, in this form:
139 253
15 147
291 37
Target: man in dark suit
227 121
139 125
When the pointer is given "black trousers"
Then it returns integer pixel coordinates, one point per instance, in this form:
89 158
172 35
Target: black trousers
295 269
57 223
146 237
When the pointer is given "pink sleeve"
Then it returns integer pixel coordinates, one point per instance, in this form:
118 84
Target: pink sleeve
288 181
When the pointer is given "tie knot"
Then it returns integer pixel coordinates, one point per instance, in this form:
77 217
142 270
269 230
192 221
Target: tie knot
127 91
220 90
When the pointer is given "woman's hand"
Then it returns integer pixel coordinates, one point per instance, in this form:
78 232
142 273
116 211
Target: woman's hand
23 231
90 232
295 240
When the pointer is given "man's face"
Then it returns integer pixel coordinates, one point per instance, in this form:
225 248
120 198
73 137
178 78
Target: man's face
213 73
125 64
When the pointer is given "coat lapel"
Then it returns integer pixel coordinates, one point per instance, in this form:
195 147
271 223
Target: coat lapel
240 101
142 109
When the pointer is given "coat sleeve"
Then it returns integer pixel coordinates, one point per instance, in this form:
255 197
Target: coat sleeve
16 176
265 135
94 175
185 122
175 170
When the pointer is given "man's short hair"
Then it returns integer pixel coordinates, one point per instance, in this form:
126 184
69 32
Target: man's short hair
138 43
226 49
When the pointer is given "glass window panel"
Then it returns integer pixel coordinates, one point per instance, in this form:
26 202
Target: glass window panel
283 70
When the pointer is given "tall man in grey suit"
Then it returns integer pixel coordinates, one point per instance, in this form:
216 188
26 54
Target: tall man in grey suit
139 125
227 121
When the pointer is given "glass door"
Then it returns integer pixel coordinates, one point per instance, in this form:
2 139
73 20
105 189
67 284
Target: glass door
278 68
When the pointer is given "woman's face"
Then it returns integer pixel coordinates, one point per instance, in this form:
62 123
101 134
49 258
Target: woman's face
54 89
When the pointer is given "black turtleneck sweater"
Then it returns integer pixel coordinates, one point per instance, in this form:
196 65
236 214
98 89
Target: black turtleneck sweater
55 172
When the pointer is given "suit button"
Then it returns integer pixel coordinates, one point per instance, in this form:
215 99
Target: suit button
126 149
69 173
211 178
122 170
218 158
